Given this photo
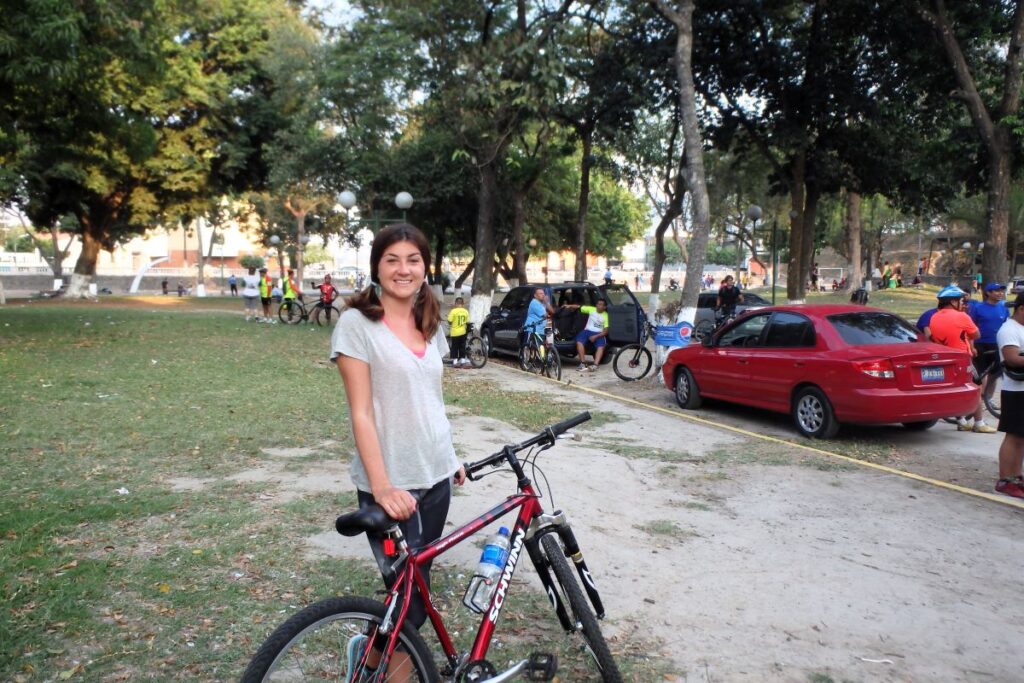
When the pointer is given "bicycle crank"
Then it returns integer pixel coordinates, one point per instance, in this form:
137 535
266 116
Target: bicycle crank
541 666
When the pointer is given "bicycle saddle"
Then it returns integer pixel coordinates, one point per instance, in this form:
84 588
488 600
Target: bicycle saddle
370 518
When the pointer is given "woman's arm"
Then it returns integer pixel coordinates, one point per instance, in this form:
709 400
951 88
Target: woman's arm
355 374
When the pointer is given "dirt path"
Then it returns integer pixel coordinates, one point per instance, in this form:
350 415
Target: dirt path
742 571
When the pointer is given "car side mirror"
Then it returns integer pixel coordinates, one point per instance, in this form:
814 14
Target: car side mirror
707 341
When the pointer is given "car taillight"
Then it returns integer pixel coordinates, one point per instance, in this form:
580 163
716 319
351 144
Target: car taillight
882 369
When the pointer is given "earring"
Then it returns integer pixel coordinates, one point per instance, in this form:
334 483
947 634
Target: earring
376 289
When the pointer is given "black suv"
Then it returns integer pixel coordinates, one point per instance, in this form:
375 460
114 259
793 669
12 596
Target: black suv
501 329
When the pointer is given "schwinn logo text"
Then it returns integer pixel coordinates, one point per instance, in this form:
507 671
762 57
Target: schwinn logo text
506 577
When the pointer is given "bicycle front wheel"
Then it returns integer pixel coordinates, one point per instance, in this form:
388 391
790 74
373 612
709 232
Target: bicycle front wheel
552 364
529 359
325 314
992 395
582 615
313 645
291 313
476 350
632 362
705 328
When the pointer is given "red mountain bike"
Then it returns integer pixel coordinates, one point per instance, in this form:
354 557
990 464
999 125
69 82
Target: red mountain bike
317 643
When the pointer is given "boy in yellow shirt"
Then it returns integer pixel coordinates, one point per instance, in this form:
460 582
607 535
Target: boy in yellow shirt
458 318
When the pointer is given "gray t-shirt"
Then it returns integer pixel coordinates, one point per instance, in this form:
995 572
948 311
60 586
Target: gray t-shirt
408 409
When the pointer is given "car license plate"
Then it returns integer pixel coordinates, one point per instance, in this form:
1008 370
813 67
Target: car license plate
933 374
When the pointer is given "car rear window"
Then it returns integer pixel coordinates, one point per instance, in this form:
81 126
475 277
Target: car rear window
867 328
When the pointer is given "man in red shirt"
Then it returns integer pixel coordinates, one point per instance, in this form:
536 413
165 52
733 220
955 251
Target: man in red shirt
951 327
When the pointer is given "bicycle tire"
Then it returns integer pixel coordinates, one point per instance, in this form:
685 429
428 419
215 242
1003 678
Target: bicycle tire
291 313
529 360
331 662
552 365
326 312
476 351
632 362
584 616
993 394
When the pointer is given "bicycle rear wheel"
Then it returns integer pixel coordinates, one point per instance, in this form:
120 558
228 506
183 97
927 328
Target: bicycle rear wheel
291 312
582 615
324 315
476 351
529 358
311 645
632 362
992 397
552 364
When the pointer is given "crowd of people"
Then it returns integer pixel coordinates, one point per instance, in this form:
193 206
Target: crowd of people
990 333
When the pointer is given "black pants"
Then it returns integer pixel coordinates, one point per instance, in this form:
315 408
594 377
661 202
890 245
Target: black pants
458 350
424 527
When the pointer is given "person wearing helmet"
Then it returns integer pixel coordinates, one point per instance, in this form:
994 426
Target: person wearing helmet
951 327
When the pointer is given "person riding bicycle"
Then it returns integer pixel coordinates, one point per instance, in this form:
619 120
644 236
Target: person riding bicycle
989 315
595 332
388 346
291 289
328 292
536 315
728 296
951 327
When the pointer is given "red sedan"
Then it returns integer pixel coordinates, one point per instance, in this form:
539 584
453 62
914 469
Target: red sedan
825 365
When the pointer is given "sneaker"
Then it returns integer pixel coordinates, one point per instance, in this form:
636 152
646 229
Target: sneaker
964 426
582 368
1010 487
354 653
984 429
592 368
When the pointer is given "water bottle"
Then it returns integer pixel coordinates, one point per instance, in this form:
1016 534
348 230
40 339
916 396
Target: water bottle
488 571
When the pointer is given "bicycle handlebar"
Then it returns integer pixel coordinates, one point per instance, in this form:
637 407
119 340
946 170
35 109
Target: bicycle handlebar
548 434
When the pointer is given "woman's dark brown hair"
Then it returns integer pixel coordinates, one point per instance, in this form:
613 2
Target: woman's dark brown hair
426 308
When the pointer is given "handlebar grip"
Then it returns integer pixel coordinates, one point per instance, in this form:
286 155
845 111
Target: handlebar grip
566 425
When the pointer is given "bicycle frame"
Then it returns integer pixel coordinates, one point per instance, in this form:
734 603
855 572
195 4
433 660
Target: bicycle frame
530 526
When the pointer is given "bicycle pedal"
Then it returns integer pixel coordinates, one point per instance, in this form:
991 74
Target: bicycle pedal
542 666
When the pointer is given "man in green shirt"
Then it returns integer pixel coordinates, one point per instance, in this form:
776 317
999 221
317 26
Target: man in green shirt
595 332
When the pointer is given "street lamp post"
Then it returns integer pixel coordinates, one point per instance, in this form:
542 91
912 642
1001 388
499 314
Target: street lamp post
347 200
276 242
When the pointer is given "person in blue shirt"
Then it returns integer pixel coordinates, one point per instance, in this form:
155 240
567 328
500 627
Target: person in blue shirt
538 312
989 315
922 323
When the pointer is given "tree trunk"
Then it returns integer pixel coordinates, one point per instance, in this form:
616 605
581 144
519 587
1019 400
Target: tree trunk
200 257
519 256
693 153
85 267
483 274
810 217
300 248
994 264
587 138
795 291
439 259
465 274
854 258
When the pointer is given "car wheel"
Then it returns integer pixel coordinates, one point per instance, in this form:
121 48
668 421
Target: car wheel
812 414
686 391
920 426
489 343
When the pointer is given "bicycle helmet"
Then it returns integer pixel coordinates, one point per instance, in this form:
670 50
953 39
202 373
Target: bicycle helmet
950 292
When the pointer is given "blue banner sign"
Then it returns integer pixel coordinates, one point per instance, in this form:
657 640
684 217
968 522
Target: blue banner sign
673 335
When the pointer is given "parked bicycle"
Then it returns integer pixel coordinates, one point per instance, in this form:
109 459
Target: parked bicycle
634 361
476 347
538 354
294 311
312 644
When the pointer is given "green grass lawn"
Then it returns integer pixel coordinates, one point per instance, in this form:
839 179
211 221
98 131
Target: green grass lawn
107 571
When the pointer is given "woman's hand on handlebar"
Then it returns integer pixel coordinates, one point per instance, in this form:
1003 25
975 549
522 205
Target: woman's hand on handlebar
398 503
460 476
